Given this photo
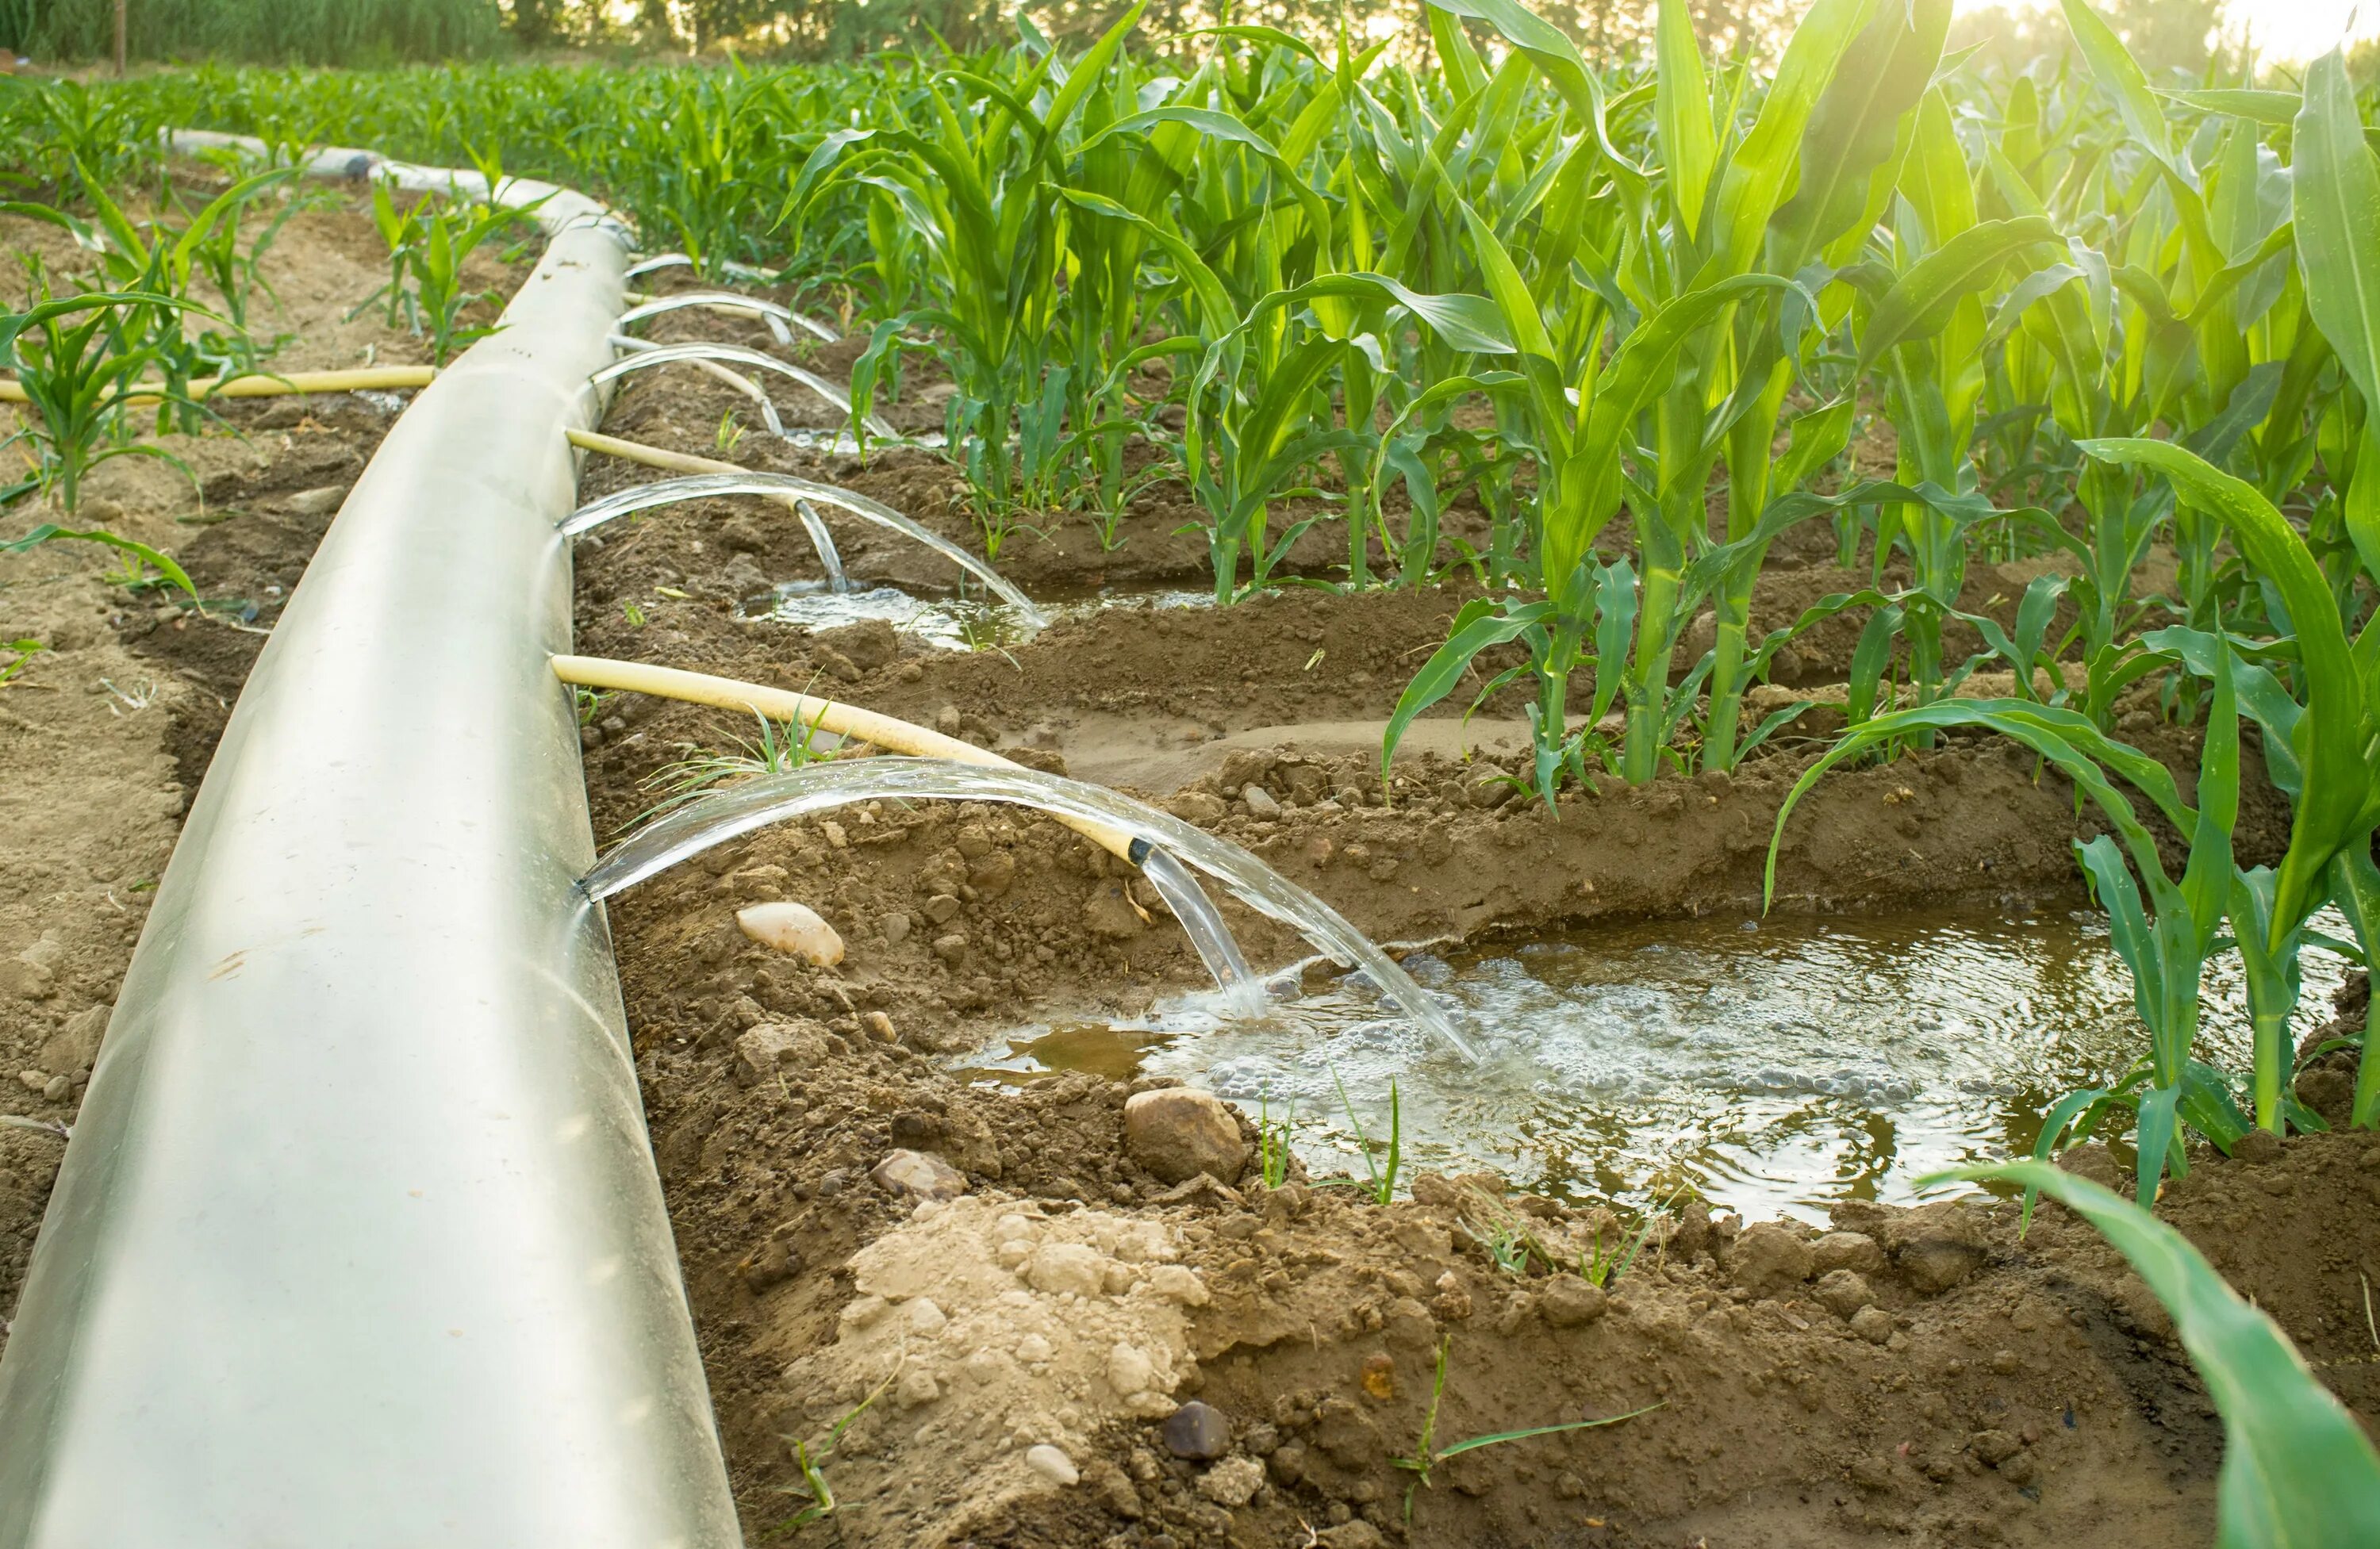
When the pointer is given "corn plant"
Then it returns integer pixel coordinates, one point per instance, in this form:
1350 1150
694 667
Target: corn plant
1427 1454
79 378
426 248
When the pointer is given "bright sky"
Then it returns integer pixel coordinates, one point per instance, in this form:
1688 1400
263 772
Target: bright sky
2283 28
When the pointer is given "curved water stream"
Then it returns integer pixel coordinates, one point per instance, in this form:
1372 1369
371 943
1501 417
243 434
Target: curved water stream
668 492
736 355
818 787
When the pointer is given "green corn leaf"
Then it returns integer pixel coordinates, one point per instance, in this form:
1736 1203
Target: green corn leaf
1922 301
2119 75
1853 131
2298 1471
1547 47
2333 740
162 564
1681 105
2336 211
2275 110
1759 173
1481 625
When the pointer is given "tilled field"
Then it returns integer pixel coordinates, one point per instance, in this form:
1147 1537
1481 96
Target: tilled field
1926 1372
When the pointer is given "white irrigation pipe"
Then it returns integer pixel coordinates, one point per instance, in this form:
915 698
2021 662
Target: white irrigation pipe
358 1241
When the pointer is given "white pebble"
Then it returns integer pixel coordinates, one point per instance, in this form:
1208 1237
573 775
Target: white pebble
1052 1464
791 928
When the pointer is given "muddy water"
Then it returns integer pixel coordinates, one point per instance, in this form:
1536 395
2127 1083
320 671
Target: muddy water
1775 1069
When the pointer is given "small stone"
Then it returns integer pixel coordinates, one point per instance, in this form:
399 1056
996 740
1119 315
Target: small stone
1843 1292
880 1027
917 1388
940 908
58 1088
1261 805
1052 1464
1873 1325
772 1046
1768 1260
1569 1302
1033 1349
1056 1267
895 926
1356 1534
951 947
2005 1362
321 501
1232 1482
794 929
32 1081
1179 1132
1378 1376
1197 1431
1846 1250
835 835
919 1173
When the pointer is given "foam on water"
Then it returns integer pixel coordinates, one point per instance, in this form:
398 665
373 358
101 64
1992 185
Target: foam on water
1776 1068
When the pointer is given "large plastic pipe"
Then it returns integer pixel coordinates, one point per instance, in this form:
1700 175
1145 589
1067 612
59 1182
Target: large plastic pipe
358 1243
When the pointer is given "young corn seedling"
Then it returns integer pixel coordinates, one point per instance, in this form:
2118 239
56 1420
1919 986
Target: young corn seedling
79 378
1273 1152
812 1460
1427 1455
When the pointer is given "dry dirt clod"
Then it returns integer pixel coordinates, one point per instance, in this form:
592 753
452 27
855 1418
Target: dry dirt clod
1938 1245
1873 1325
919 1174
1846 1250
1233 1482
794 929
1198 1431
1181 1132
1569 1302
1843 1292
1768 1260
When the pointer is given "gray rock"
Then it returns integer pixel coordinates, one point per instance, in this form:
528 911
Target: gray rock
919 1174
1181 1131
1197 1431
895 926
1261 805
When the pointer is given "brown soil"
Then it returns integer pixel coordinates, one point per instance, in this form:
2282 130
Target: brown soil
106 733
2004 1388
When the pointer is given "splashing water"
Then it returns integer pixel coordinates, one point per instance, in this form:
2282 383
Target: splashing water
1777 1070
669 492
736 355
1244 992
829 557
774 798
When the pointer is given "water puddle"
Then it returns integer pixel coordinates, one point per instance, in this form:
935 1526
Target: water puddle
1775 1069
958 622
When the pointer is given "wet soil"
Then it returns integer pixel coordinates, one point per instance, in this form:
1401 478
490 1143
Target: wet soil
1924 1375
106 730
